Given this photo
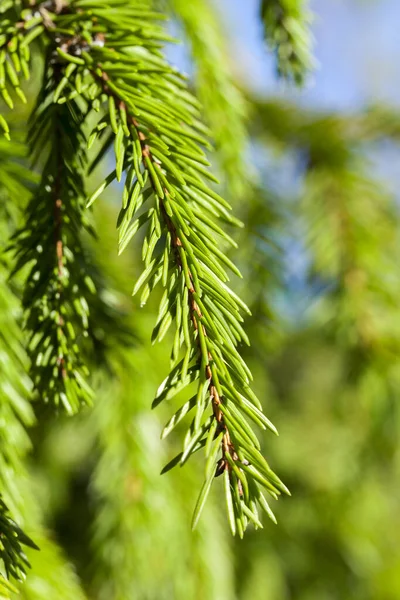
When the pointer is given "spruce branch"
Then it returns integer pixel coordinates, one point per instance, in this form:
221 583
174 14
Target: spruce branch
105 57
50 242
55 361
287 32
15 413
109 60
19 28
11 552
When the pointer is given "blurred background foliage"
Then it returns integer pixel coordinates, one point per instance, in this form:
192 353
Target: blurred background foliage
320 256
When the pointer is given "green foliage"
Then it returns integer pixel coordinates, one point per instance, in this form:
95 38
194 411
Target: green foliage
341 452
49 241
14 386
287 32
156 142
105 58
15 412
11 552
18 29
15 416
107 94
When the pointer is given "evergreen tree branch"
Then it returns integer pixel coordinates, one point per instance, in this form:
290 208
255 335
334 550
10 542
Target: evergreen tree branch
15 413
51 574
19 28
105 54
156 131
12 555
58 284
287 32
